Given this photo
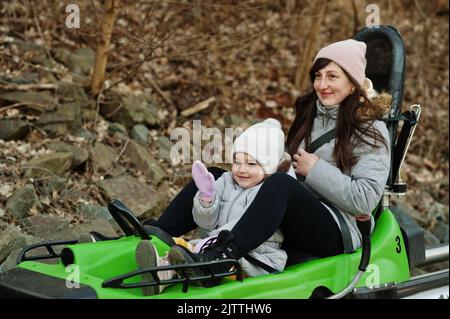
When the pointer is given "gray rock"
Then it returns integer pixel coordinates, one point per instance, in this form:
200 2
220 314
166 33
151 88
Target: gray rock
90 212
139 197
35 52
80 61
11 261
79 154
72 195
102 226
3 226
414 214
57 163
13 129
131 110
69 90
41 101
64 120
181 177
165 146
86 134
11 239
145 162
46 185
160 201
117 128
440 230
23 78
102 157
119 131
140 134
43 226
237 121
438 211
56 129
22 201
430 239
90 115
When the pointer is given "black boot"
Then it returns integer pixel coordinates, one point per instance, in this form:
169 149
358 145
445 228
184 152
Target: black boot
220 249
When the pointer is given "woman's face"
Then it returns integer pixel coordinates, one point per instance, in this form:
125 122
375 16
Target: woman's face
246 171
332 85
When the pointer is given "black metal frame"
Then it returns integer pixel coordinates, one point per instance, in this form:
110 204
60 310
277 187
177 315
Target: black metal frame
48 244
184 270
127 221
409 119
124 217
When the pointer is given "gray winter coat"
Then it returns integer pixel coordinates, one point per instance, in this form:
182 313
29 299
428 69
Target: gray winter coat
352 192
230 203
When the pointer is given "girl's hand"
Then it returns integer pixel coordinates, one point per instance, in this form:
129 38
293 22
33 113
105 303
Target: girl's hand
303 162
204 181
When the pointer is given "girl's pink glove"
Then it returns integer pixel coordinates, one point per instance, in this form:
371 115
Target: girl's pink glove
204 180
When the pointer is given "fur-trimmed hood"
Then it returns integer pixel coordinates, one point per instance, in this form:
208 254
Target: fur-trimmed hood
381 103
384 100
285 163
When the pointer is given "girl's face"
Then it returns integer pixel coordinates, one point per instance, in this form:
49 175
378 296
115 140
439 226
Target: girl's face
332 85
246 171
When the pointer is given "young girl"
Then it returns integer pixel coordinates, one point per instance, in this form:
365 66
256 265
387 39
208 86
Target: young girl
219 204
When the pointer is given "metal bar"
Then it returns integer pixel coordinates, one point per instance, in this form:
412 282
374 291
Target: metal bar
435 293
349 288
415 108
435 254
423 283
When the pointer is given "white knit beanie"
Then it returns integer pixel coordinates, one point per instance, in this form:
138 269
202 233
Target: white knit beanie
264 141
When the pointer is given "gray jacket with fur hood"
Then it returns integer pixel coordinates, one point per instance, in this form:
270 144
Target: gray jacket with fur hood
358 190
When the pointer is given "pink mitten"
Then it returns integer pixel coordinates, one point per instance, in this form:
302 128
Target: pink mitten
204 180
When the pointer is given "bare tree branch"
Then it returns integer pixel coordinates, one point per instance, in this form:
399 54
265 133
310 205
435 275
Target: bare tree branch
103 47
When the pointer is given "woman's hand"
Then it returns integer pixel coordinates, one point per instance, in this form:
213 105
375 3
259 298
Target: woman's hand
303 162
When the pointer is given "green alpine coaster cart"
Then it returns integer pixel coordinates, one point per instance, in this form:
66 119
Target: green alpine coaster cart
106 268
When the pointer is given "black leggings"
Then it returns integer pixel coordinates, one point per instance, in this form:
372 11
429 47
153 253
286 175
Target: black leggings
282 202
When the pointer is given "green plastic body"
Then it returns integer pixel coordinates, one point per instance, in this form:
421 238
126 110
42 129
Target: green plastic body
96 262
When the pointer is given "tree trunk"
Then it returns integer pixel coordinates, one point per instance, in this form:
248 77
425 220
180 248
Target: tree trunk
101 55
308 46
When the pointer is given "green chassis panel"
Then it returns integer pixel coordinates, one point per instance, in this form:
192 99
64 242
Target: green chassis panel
96 262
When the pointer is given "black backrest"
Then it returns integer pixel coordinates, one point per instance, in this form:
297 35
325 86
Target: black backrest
386 68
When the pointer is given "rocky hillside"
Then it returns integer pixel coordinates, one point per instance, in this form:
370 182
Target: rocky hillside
64 154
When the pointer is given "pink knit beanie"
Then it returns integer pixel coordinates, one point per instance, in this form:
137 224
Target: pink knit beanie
349 55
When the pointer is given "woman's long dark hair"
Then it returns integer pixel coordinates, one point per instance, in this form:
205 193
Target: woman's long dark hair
351 125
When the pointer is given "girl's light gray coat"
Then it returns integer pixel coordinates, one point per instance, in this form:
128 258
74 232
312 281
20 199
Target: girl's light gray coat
230 203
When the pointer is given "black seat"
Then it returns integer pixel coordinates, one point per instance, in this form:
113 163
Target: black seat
386 64
297 257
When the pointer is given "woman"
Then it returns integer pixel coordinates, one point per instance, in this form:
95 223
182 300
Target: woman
343 178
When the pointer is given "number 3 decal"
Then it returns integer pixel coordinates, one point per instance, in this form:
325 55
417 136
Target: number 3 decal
398 249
